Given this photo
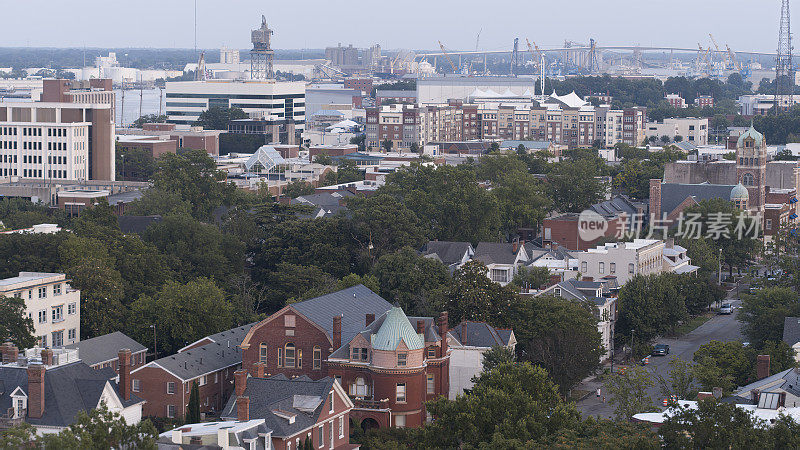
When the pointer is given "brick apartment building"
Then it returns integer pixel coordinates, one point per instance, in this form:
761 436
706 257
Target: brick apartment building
397 123
362 84
389 364
166 383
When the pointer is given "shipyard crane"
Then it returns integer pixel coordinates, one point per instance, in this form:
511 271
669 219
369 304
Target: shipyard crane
535 54
733 62
446 55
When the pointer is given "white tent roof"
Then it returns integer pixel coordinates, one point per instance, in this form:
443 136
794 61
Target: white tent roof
572 99
347 123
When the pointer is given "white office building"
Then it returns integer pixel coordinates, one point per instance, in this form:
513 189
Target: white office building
186 100
51 302
691 129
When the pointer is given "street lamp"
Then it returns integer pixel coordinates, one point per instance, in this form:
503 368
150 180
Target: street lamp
155 342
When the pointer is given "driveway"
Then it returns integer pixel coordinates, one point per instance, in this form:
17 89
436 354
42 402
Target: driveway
720 328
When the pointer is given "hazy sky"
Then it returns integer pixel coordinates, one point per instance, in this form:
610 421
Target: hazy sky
414 24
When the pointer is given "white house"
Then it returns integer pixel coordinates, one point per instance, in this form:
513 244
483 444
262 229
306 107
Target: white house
451 254
622 260
502 259
468 341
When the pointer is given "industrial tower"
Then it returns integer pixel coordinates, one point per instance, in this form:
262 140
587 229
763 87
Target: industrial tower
261 55
784 72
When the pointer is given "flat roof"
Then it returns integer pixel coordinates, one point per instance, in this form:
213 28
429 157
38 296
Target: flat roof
27 277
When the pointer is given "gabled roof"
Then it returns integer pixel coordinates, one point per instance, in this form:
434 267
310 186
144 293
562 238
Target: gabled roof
791 330
496 252
447 252
353 304
285 397
231 337
68 389
105 348
673 194
479 334
190 364
396 328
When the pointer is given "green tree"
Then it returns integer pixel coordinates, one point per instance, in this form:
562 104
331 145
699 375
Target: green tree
713 425
193 175
134 164
297 188
650 305
15 325
532 277
574 186
182 313
680 381
763 313
413 281
387 145
384 225
102 429
473 296
724 364
218 118
193 410
496 357
149 118
448 202
629 392
522 201
348 172
556 333
665 139
514 400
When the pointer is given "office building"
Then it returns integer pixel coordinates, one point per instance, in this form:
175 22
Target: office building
690 129
51 302
186 100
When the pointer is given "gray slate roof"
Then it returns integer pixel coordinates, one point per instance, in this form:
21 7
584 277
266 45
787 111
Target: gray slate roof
105 348
353 304
325 199
791 330
190 364
280 393
479 334
447 252
495 253
672 194
68 389
234 336
616 206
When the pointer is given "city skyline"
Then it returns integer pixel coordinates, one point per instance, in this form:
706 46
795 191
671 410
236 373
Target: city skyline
679 23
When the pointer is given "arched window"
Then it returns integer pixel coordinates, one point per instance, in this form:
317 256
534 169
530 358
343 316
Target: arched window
289 355
262 352
747 179
317 358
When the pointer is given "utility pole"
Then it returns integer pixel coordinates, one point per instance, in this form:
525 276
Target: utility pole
155 342
719 272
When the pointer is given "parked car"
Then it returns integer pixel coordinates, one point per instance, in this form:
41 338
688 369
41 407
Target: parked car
726 308
661 350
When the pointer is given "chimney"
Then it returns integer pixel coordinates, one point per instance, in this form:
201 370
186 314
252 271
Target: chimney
10 353
420 327
243 408
515 247
259 369
337 332
655 198
370 319
464 334
35 391
762 367
177 436
703 395
670 242
47 356
443 331
124 364
240 379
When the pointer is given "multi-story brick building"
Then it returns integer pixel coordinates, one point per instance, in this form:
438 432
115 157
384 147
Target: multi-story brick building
704 101
210 362
51 302
675 100
397 123
388 363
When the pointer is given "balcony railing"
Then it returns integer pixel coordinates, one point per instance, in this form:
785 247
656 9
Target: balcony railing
370 404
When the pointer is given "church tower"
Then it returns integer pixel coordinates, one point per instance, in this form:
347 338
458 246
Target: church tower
751 166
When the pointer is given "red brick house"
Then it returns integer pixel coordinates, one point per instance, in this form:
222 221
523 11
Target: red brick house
388 364
294 409
166 383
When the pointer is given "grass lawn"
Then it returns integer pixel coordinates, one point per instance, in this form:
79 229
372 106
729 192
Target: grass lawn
693 323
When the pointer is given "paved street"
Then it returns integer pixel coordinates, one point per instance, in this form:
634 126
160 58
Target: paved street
720 327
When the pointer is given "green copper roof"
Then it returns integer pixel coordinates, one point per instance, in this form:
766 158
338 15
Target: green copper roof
395 328
739 192
751 132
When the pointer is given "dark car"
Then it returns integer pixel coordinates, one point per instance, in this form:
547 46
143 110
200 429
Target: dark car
661 350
